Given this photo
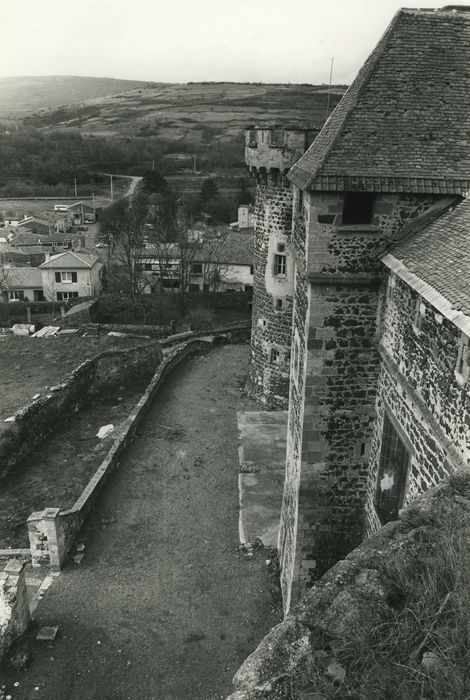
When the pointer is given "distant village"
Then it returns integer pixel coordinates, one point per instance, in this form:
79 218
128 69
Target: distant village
60 256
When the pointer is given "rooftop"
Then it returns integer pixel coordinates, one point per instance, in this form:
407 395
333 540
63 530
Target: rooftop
439 255
404 123
70 259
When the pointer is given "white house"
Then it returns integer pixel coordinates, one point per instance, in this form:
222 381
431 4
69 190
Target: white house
71 274
21 284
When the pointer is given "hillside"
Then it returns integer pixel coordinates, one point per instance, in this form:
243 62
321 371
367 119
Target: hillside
29 93
194 112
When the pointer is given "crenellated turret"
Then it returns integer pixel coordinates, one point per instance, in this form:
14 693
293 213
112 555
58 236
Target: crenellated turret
270 152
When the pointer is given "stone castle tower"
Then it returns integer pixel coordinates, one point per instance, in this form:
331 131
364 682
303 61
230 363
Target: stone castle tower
270 152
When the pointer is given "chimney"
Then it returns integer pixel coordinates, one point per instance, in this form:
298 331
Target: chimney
47 256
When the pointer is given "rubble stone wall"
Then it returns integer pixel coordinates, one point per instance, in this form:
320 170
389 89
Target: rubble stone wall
52 532
39 419
271 326
420 387
14 607
325 490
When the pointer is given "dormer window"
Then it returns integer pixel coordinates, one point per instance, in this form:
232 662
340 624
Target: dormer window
358 208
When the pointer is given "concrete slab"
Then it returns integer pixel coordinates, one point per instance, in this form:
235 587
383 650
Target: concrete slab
263 438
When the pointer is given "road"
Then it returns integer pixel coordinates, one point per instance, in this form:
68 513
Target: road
163 607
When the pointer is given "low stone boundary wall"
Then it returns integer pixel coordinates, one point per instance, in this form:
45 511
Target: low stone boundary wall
130 329
14 607
235 331
94 376
52 532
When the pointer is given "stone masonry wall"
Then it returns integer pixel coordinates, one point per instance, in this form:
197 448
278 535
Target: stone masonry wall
291 519
271 326
420 388
341 376
14 607
99 374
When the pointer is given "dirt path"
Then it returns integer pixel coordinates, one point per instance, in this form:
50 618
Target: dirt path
163 606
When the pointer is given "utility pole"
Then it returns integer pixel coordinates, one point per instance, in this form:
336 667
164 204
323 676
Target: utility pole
75 185
329 88
153 165
194 162
93 199
112 197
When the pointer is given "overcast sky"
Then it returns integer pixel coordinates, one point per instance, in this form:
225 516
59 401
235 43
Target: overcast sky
183 40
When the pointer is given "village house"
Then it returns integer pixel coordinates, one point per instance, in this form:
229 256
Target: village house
70 275
376 260
220 264
21 284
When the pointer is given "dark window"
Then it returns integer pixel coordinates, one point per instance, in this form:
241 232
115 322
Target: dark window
393 468
326 218
38 295
274 356
252 270
357 208
148 267
170 284
280 265
196 268
74 276
57 276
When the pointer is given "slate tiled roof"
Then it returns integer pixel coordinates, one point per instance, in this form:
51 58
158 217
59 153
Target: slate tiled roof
237 249
404 123
439 255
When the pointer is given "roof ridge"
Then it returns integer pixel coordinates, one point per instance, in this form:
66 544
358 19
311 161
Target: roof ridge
365 74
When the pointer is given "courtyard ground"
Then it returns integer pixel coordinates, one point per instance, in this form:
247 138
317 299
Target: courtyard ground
163 607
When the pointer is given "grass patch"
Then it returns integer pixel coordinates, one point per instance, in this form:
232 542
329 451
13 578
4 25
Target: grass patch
422 648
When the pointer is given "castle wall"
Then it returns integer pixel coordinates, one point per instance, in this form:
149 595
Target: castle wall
273 294
323 510
421 389
270 152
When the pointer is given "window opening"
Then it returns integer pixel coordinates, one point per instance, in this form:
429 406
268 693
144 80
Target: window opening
280 265
393 469
357 208
275 356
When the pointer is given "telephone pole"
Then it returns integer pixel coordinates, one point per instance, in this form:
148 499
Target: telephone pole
111 182
329 88
75 185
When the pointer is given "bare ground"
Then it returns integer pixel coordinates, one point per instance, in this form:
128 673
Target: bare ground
163 607
28 366
56 473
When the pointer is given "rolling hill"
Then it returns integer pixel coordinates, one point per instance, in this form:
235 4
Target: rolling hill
191 112
29 93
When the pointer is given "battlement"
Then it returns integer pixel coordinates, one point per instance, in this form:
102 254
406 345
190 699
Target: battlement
276 147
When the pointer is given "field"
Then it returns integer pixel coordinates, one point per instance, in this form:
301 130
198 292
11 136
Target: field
28 366
195 112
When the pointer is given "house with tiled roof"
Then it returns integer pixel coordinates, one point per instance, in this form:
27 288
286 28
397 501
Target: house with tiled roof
378 260
71 274
20 284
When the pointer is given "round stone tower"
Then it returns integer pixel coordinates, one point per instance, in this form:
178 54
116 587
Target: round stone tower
269 153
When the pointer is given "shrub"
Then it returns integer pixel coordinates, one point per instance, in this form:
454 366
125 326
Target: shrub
201 319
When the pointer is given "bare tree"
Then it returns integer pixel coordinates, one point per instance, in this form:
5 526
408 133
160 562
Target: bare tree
213 269
123 224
